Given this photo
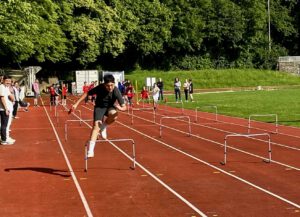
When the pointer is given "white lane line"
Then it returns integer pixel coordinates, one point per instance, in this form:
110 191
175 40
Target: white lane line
245 126
221 144
153 176
82 197
216 168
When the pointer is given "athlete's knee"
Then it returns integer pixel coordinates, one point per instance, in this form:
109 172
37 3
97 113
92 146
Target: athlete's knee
112 116
97 125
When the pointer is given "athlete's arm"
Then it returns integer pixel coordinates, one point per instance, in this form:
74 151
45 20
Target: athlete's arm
83 96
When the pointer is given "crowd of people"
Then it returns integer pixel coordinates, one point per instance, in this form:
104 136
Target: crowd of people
188 89
156 91
11 99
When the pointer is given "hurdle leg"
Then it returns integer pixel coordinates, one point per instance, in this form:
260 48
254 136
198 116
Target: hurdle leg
86 157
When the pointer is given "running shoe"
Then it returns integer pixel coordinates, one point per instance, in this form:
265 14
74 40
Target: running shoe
103 133
9 139
6 143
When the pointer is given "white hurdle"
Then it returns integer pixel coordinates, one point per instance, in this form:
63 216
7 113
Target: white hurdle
207 106
248 136
143 109
178 117
182 109
66 125
111 141
263 115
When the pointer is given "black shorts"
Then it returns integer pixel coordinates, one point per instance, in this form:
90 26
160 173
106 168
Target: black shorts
99 113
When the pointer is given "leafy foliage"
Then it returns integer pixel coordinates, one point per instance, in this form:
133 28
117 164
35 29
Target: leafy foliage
193 34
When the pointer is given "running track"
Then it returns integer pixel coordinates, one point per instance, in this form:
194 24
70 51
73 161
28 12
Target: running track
176 174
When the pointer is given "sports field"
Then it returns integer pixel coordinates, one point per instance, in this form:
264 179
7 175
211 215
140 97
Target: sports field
177 155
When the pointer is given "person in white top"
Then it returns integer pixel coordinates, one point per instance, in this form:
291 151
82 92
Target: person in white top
16 89
177 86
6 108
186 85
155 95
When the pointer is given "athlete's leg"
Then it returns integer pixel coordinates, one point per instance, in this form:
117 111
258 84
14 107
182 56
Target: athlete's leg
98 116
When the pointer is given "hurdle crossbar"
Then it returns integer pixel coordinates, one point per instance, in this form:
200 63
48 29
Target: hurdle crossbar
248 136
66 126
182 109
207 106
178 117
111 142
143 109
263 115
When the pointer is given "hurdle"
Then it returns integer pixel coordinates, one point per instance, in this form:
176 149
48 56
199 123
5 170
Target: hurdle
66 126
182 109
207 106
111 142
178 117
263 115
247 136
143 109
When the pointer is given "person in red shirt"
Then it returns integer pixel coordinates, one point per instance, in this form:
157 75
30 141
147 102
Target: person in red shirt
129 97
92 98
64 91
145 94
52 95
85 89
131 89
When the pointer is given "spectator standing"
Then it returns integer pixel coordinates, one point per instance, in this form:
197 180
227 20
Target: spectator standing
25 105
191 90
186 89
16 89
10 104
73 87
177 86
64 91
52 95
56 89
36 91
6 108
160 85
85 89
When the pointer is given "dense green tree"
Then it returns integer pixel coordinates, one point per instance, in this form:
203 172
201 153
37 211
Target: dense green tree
187 34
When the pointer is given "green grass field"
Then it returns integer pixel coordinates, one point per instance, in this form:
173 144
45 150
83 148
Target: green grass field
285 102
218 78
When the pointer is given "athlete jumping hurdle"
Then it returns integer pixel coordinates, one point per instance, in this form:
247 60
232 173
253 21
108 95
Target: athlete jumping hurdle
107 94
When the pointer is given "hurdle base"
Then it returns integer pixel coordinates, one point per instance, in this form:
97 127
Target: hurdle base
266 160
223 163
132 168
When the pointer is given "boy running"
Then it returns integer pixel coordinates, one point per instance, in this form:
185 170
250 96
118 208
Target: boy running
106 96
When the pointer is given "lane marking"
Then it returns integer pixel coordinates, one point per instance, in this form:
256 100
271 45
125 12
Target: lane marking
154 177
216 168
221 144
82 197
212 166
